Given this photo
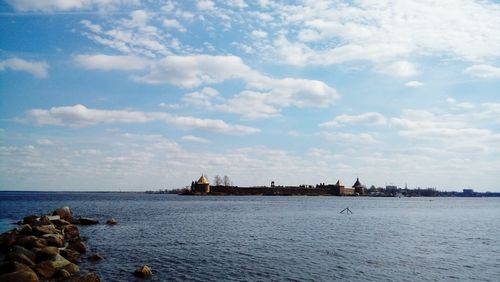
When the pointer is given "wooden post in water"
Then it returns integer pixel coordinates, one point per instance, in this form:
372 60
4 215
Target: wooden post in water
347 210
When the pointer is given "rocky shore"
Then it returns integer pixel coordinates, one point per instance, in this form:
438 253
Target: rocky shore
46 248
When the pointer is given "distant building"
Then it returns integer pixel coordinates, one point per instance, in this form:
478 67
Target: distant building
359 189
201 186
339 189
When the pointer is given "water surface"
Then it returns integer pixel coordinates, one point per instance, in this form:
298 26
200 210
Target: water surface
252 238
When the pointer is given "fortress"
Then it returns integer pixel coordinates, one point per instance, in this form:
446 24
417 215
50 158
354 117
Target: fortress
202 187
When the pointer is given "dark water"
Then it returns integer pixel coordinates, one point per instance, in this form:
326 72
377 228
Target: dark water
281 238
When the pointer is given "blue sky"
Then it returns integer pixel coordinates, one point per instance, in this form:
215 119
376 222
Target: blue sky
135 95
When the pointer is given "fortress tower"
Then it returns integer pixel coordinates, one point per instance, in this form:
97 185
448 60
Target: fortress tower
202 185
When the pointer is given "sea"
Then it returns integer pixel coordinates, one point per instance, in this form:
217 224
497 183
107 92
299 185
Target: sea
274 238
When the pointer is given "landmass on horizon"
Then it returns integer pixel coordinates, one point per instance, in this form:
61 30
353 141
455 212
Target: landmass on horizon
224 186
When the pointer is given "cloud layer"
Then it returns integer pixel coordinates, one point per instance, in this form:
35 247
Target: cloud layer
79 116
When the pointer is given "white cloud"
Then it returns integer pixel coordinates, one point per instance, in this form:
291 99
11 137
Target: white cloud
195 70
105 62
259 34
170 105
36 68
44 142
342 137
425 124
205 5
264 96
174 24
483 71
203 98
414 84
370 118
333 32
79 116
196 139
251 105
65 5
399 68
237 3
133 35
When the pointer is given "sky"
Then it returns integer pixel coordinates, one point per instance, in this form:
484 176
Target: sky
137 95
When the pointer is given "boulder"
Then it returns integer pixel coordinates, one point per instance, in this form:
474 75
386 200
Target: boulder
53 217
39 243
64 213
71 255
48 268
13 266
59 222
18 249
63 273
45 269
56 240
26 240
143 271
24 276
59 262
78 246
45 229
7 240
30 219
44 220
87 221
111 221
71 268
47 253
88 277
21 258
71 232
96 257
25 229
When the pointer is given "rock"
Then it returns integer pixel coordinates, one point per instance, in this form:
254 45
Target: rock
39 243
74 221
31 242
18 249
96 257
30 219
71 255
71 232
44 220
45 269
72 268
7 240
59 222
78 246
143 271
64 213
24 276
26 240
59 262
13 266
25 229
48 268
56 240
87 221
53 217
21 258
45 229
47 253
89 277
111 221
63 273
